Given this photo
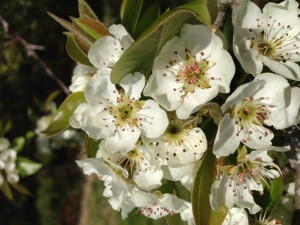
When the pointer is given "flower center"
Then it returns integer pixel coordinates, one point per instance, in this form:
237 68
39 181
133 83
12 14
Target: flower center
275 40
176 132
126 112
192 73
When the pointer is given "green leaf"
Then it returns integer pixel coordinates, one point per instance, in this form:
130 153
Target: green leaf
60 121
149 44
275 193
18 143
175 220
147 18
91 146
131 11
27 167
74 51
83 40
6 190
93 28
202 211
86 10
20 188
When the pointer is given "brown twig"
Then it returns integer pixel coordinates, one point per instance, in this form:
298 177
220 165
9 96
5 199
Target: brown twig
31 52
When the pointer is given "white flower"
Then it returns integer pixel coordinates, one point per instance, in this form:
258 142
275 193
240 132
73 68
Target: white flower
248 109
157 205
81 77
139 164
187 215
188 73
240 179
236 216
118 117
117 189
106 51
182 143
270 38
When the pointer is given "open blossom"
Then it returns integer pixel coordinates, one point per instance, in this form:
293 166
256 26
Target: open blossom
249 108
188 73
270 37
236 216
8 158
81 77
239 180
156 205
182 143
106 51
118 116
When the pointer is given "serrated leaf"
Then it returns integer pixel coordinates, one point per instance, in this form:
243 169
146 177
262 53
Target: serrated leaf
85 10
202 211
207 9
27 167
7 191
91 146
147 18
60 121
20 188
82 39
93 28
149 44
131 11
74 51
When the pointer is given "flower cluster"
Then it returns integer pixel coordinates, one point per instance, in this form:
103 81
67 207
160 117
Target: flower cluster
148 125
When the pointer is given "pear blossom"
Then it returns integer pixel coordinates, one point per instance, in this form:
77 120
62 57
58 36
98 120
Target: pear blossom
187 214
139 163
81 77
252 106
182 143
117 189
8 158
106 51
268 38
156 205
239 180
118 116
188 73
236 216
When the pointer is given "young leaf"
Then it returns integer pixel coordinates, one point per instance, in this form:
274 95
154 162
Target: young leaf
20 188
6 190
149 44
206 8
202 211
93 28
18 143
81 38
60 121
91 146
74 51
275 193
131 14
147 18
27 167
86 10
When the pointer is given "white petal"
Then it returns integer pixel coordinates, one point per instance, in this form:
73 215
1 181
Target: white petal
105 52
148 180
119 32
154 120
4 144
123 140
133 85
193 101
236 216
226 141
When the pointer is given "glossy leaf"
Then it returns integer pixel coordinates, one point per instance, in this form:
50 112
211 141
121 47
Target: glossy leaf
207 9
147 18
140 56
202 211
85 10
91 146
74 51
6 190
93 28
131 11
27 167
60 121
83 40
